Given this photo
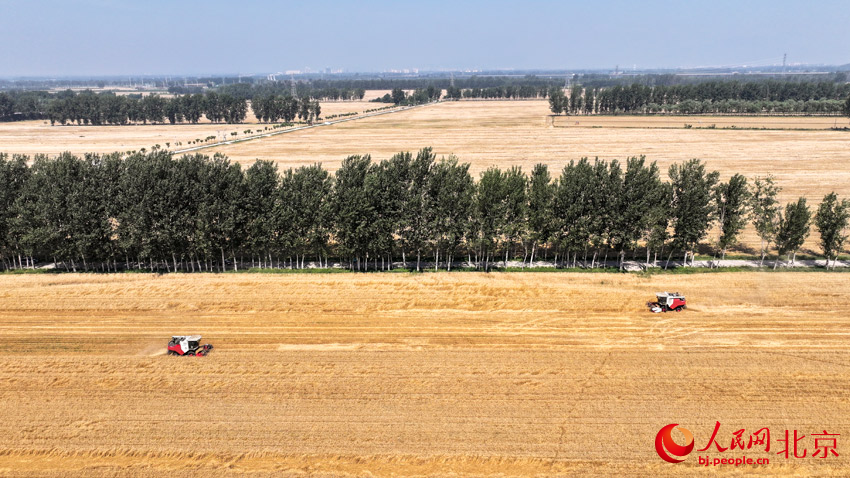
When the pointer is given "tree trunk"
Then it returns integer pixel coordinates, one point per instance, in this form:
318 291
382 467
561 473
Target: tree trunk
533 250
668 258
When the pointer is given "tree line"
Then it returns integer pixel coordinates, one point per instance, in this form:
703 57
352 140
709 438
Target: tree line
198 213
506 92
419 96
89 108
303 89
229 103
272 108
725 97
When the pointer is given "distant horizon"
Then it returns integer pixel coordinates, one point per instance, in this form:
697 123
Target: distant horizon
792 69
100 38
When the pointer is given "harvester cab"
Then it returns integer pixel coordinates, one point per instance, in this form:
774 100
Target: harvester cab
188 345
667 301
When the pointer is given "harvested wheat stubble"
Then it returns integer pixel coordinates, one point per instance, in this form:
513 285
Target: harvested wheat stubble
413 375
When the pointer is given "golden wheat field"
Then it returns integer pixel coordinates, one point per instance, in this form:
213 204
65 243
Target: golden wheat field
465 374
809 162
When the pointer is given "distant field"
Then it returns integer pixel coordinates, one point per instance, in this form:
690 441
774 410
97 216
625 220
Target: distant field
508 133
404 375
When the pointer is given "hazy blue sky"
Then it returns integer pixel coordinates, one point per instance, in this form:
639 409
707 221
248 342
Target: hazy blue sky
100 37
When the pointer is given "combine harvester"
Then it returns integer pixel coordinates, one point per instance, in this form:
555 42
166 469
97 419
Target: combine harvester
188 345
667 301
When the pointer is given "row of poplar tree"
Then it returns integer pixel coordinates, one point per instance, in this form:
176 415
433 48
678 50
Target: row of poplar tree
196 213
702 98
89 108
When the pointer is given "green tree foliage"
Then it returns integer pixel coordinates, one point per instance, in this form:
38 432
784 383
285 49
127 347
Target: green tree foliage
387 186
352 210
307 188
513 225
693 203
157 212
575 207
831 221
259 207
765 211
557 101
488 211
14 178
454 93
451 191
793 228
418 211
397 95
733 204
541 220
220 215
576 103
637 197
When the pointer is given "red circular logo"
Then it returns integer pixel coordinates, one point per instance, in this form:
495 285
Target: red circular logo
665 446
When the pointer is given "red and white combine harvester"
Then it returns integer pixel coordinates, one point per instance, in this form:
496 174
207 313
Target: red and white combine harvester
667 301
188 345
